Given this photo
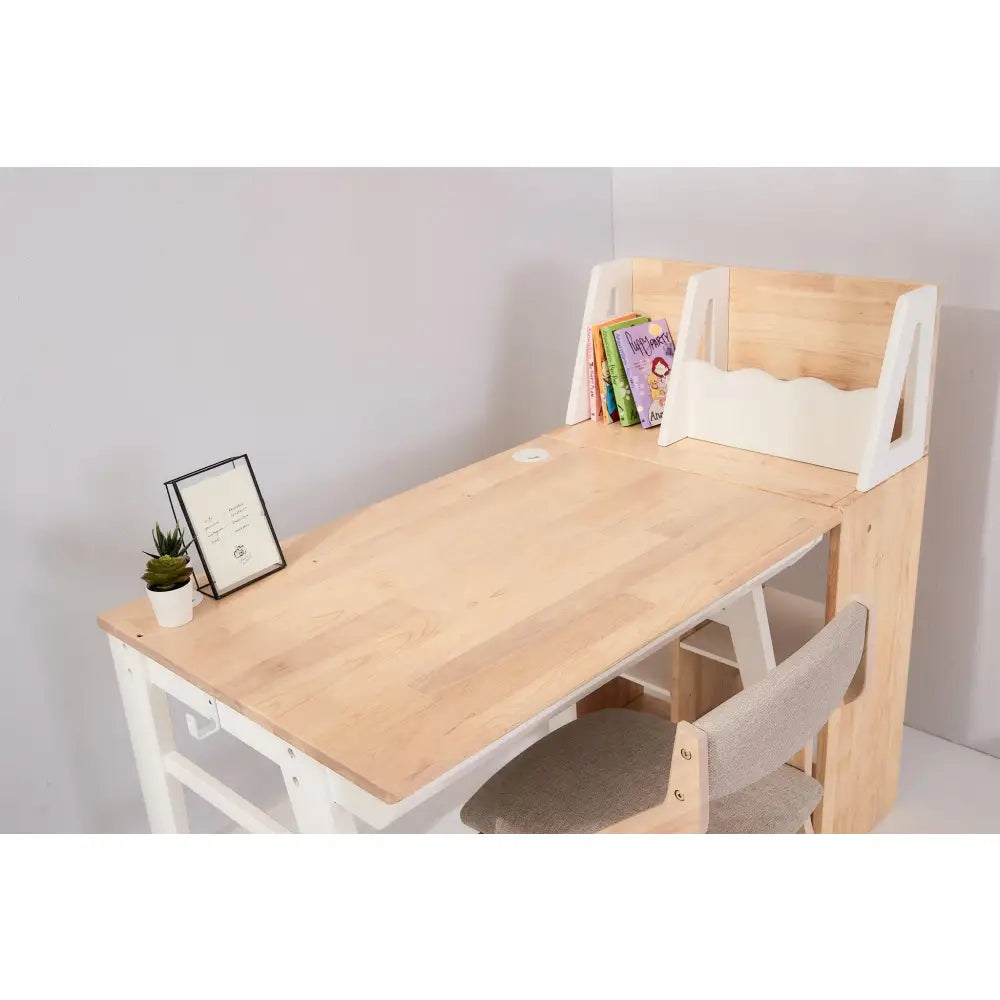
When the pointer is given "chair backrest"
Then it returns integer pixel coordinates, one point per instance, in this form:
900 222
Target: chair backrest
755 732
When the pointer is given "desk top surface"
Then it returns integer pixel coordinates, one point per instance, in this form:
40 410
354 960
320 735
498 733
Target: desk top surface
407 636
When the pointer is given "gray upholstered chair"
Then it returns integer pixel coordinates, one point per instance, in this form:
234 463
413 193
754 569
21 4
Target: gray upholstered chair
621 771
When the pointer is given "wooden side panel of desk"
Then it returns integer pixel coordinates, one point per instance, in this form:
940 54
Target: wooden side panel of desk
873 557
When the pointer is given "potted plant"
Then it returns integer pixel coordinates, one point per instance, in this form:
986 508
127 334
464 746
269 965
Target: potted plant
168 578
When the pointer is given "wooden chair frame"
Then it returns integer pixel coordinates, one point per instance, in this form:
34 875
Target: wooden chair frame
685 809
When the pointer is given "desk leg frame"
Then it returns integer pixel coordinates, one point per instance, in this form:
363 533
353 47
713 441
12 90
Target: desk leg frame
308 791
163 772
148 718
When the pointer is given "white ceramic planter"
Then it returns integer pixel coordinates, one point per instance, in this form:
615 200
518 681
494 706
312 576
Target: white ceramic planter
173 608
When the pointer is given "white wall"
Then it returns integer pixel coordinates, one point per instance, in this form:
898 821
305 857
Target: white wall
357 332
920 225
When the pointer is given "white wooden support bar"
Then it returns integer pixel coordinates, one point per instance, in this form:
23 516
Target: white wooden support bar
148 717
748 626
213 791
308 783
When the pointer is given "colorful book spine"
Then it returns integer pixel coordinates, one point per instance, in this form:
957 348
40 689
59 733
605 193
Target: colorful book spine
627 412
605 393
592 388
647 355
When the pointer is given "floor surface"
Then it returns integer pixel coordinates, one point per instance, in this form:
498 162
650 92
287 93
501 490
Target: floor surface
944 788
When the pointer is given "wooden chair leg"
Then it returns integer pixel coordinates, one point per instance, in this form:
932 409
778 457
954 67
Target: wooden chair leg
806 758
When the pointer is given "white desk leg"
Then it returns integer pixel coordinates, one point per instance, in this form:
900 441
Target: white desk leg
751 634
150 730
309 793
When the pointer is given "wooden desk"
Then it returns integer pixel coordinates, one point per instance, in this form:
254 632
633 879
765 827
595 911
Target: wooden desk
412 640
411 636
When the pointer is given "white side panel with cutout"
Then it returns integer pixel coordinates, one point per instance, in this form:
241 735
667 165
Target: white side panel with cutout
609 295
909 356
706 309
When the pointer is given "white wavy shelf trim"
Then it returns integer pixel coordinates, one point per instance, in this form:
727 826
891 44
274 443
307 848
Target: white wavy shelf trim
805 419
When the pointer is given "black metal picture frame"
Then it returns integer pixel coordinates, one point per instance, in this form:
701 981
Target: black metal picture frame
173 491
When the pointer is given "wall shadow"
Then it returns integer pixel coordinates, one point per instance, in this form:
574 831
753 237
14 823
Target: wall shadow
950 665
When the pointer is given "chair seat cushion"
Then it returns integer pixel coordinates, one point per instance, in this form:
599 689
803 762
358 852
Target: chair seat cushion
612 764
582 777
779 803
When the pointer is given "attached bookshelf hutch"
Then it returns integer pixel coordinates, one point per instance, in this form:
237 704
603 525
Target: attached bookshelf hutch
815 386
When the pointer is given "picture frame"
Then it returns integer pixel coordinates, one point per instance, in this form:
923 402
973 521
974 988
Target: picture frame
228 524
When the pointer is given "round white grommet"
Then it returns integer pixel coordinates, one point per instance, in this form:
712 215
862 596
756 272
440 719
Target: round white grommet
531 455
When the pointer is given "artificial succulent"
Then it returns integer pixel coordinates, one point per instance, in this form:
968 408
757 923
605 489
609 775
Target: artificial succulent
167 572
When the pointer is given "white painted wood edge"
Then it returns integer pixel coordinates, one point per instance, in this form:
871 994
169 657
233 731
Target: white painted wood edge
653 676
908 361
229 803
705 311
147 715
609 294
804 419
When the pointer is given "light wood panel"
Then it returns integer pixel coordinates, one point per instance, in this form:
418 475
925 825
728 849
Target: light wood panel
734 465
873 558
789 323
823 326
658 288
648 705
406 637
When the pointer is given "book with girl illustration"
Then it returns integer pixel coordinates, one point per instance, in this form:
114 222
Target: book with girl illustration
647 355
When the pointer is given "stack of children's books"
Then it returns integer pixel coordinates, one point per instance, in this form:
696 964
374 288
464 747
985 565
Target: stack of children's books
628 362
